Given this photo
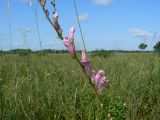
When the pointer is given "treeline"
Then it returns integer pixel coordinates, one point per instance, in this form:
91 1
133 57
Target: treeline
29 51
97 51
94 53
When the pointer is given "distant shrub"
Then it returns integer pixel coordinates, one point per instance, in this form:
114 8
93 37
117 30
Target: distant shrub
142 46
157 46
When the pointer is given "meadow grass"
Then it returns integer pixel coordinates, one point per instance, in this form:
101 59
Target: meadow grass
53 86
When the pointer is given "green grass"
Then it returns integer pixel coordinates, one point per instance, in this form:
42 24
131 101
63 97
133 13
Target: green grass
54 87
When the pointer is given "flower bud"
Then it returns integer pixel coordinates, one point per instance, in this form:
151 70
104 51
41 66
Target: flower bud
72 30
55 16
43 3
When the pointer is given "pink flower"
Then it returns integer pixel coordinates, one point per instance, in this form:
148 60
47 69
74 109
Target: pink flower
99 79
84 59
85 62
56 24
55 16
69 42
70 47
72 30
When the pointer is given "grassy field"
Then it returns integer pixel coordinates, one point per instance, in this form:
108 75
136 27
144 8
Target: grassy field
54 87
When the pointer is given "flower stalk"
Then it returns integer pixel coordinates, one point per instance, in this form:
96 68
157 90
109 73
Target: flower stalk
96 79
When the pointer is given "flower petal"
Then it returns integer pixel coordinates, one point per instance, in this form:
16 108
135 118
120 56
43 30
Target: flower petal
84 56
67 43
71 33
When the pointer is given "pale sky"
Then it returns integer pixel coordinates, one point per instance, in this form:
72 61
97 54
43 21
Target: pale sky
106 24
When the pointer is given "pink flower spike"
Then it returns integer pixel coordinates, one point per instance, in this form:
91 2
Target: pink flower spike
86 63
69 46
84 56
72 30
55 16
